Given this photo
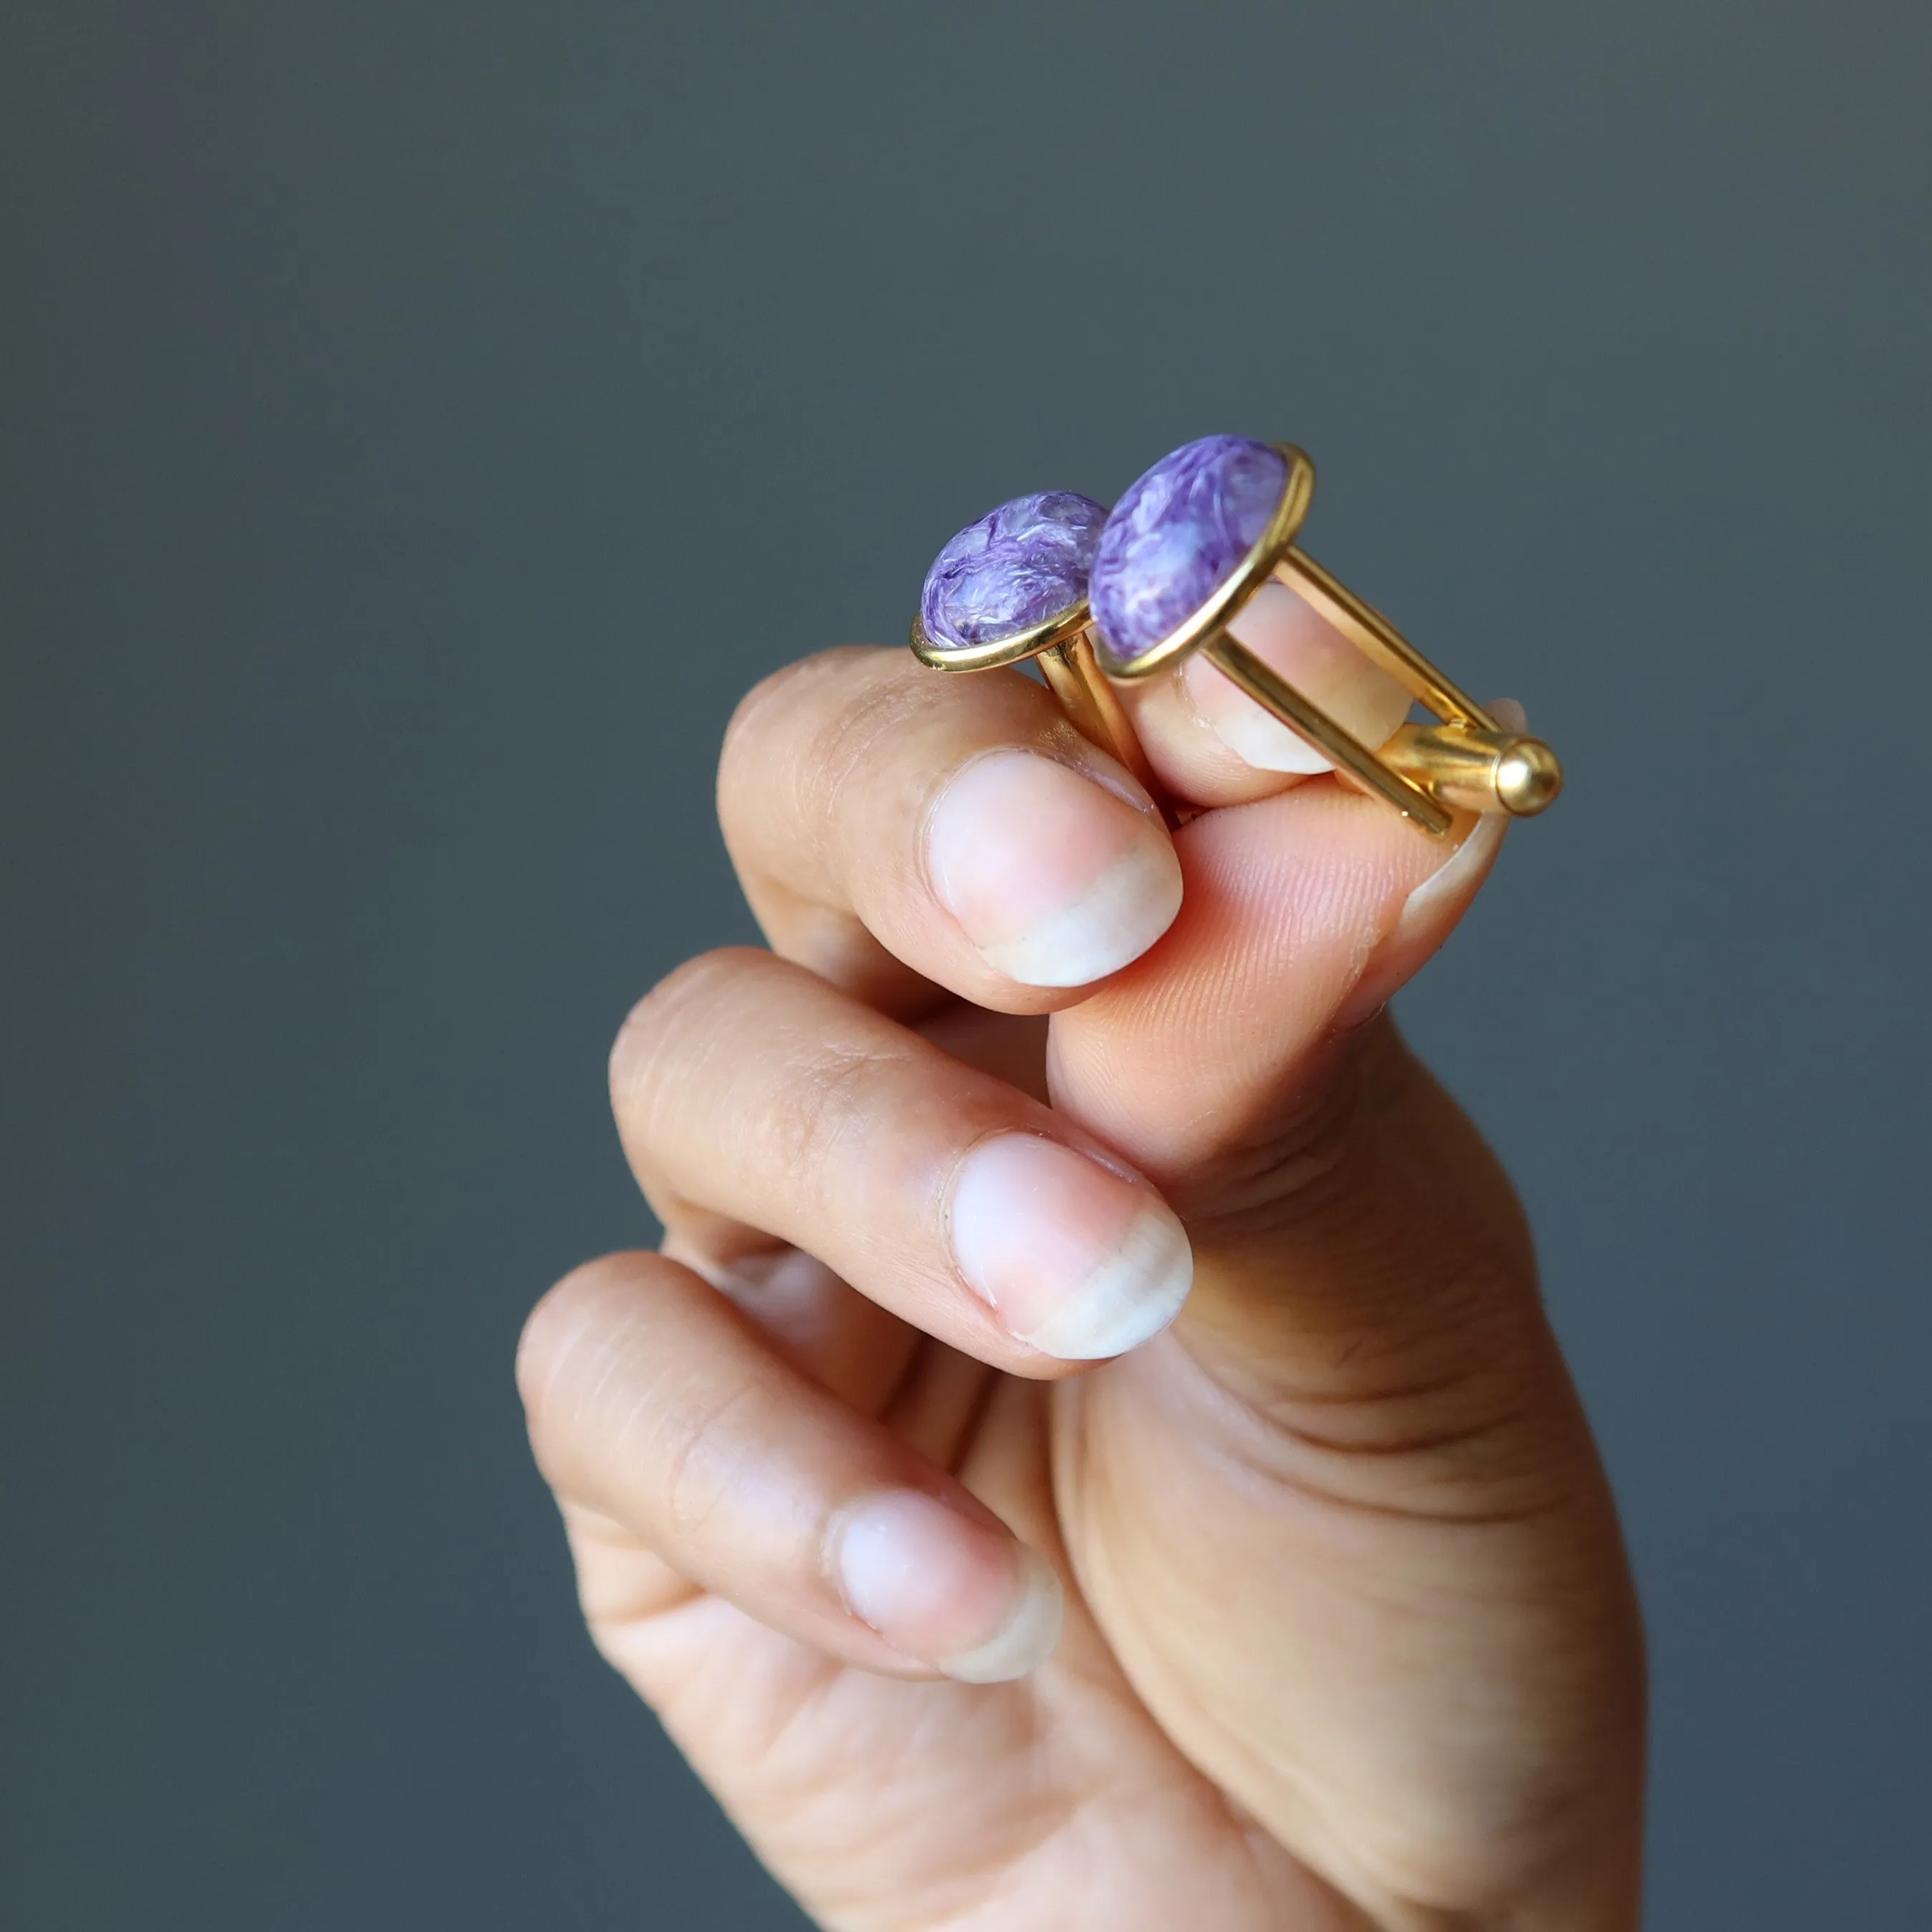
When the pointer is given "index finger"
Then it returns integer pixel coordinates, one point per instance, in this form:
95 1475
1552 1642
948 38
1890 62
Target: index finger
900 832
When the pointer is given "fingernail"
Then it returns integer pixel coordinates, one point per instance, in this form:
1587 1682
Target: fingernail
1322 664
1056 881
1432 906
1453 877
946 1590
1076 1261
1464 867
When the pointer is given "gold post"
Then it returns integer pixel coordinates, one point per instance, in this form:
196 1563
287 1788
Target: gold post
1096 712
1064 643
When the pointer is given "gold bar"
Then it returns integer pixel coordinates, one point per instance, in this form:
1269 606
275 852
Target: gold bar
1378 639
1096 712
1276 695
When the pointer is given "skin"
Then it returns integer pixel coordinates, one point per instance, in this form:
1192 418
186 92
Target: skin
1349 1639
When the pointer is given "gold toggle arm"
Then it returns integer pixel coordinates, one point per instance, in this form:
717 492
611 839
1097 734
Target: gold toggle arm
1345 752
1466 763
1378 640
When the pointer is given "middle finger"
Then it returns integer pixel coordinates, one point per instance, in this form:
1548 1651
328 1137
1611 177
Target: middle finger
751 1093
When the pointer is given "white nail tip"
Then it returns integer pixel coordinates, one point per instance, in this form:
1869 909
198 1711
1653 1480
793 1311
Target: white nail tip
1131 1297
1028 1636
1471 859
1128 907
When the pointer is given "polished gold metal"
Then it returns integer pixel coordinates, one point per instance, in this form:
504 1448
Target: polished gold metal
1057 629
1250 574
1465 762
1341 748
1064 643
1477 770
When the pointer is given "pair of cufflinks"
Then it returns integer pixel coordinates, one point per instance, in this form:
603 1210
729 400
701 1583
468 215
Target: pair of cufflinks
1096 595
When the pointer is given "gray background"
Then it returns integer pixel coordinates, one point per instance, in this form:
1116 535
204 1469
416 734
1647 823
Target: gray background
422 420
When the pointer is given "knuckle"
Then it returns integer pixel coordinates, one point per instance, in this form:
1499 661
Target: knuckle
570 1326
623 1420
667 1013
816 1089
611 1415
836 1098
791 682
750 714
708 1455
772 709
815 740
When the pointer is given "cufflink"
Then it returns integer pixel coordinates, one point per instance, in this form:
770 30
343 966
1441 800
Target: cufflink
1013 586
1191 543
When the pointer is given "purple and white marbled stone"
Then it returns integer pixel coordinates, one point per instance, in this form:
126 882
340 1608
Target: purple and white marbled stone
1016 567
1178 535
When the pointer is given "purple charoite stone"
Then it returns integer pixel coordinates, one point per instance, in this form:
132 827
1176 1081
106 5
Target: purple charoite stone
1178 535
1016 567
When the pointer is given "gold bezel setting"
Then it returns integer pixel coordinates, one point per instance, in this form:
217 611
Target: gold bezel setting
1297 493
1060 629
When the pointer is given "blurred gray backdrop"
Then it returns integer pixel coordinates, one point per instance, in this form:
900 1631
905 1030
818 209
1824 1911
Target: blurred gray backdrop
421 421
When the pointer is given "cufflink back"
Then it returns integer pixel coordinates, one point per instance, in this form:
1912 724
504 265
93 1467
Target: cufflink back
1013 586
1198 536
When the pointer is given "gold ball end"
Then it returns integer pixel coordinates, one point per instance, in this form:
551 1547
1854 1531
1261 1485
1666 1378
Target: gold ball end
1527 777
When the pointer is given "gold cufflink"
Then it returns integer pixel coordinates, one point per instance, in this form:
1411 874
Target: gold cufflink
1013 586
1194 540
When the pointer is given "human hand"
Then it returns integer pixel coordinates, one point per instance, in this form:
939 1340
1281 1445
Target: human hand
1348 1639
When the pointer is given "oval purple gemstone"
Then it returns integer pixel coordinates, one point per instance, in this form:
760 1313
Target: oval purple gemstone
1178 535
1016 567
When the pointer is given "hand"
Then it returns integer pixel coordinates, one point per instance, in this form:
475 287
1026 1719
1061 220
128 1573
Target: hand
1348 1640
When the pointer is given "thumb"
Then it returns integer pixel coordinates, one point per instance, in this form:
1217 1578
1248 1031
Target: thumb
1302 913
1346 1218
